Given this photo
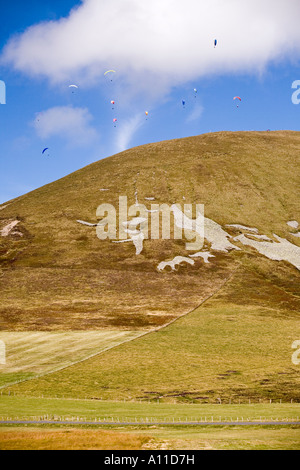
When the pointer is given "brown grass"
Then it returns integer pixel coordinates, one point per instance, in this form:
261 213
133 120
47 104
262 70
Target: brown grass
71 439
60 276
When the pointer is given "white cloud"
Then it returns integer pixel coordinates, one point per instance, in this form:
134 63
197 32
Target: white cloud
72 124
126 131
155 44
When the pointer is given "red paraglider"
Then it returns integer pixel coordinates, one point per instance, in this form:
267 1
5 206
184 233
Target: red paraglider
237 98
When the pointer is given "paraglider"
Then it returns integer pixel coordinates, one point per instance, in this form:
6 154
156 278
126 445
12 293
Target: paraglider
183 103
147 113
114 121
195 92
73 87
45 150
237 98
215 43
109 74
112 103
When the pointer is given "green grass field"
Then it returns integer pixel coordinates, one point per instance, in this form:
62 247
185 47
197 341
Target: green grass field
222 350
33 353
139 436
13 407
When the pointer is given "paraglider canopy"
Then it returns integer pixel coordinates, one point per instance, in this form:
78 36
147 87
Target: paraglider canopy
108 73
73 87
215 42
45 150
183 103
237 98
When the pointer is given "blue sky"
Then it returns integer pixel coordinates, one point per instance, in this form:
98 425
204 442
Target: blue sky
158 59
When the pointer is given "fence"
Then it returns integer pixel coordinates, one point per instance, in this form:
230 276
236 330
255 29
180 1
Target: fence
150 421
164 400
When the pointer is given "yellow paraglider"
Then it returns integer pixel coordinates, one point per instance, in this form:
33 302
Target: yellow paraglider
109 72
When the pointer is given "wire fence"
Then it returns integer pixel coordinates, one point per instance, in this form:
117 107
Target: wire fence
138 421
162 400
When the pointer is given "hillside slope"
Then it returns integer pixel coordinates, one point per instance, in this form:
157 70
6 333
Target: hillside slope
57 275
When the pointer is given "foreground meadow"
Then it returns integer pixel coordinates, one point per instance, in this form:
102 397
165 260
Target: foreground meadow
154 438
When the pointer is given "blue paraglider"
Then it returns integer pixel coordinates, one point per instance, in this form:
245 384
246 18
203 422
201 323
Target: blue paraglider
215 43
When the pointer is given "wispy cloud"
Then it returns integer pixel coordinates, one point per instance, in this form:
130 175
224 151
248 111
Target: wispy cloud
126 132
71 124
195 114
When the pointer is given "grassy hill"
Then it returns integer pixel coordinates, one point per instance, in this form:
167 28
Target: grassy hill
56 275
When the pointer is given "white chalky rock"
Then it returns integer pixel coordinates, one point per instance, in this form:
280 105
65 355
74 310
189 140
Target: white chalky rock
8 228
282 250
175 262
86 223
243 227
205 255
